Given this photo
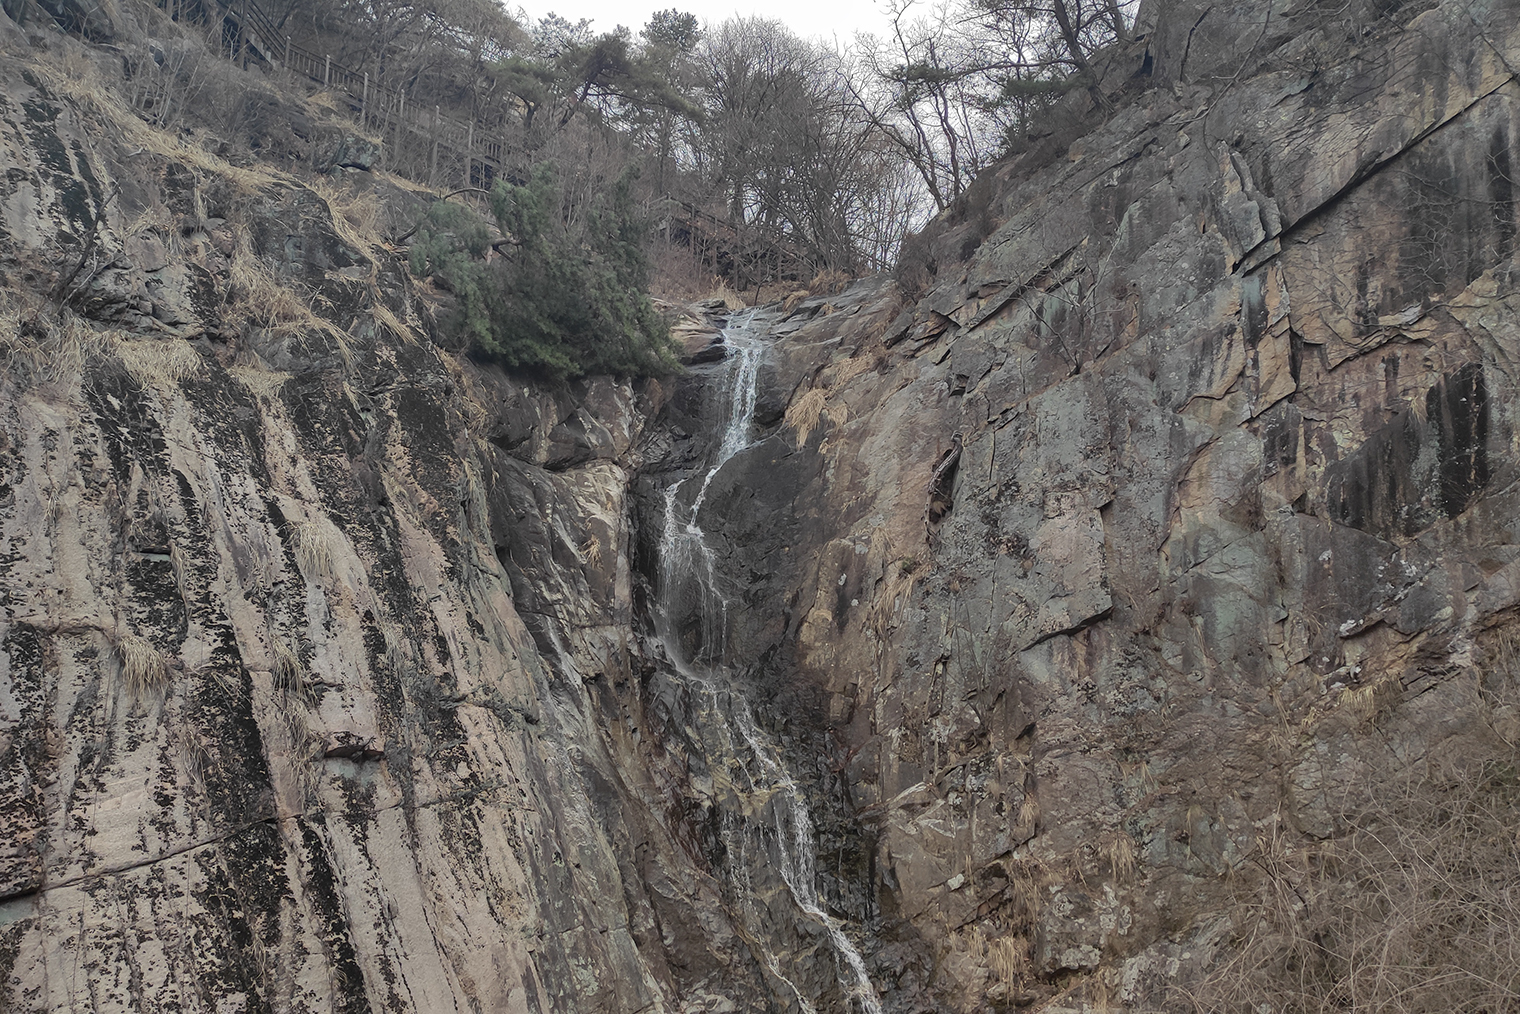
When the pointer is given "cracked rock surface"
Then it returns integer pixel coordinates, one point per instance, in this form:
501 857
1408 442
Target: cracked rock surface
1166 497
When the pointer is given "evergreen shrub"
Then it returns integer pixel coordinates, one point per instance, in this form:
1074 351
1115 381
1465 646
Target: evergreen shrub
568 298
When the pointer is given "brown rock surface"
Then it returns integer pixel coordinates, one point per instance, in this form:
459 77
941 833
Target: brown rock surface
1076 589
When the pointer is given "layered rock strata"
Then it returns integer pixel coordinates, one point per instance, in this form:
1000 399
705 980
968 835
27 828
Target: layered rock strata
1078 578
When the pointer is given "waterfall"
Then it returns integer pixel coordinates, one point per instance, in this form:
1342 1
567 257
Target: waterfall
685 557
767 825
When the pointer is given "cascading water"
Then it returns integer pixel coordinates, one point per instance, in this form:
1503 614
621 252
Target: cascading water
765 822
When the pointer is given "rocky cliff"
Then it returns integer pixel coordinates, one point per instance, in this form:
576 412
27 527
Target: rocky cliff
1067 616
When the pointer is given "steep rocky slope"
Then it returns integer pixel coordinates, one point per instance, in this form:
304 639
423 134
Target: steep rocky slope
277 734
1080 585
1172 531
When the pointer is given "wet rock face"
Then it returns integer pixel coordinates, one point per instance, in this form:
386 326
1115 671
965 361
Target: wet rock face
312 634
1231 532
1072 589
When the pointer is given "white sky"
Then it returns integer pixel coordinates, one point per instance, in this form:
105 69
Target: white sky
825 18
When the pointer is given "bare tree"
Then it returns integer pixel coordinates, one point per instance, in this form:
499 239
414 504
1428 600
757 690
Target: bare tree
788 142
954 82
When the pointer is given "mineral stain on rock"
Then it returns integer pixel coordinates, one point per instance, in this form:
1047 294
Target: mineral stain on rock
1423 466
1223 535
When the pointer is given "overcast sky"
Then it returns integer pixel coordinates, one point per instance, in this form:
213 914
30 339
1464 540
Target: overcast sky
825 18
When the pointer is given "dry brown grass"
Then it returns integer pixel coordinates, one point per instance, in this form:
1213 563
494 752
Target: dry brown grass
591 552
1029 811
288 672
82 83
720 290
143 669
1415 909
410 185
40 346
355 214
829 282
849 369
262 383
1006 955
388 319
258 297
314 551
825 283
160 362
1116 850
805 413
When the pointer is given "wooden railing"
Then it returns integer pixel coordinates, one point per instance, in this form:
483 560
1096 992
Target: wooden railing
447 140
471 148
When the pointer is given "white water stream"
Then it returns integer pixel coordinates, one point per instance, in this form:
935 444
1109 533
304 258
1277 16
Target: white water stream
745 754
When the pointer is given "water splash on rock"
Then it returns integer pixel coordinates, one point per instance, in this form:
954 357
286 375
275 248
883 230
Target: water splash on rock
766 828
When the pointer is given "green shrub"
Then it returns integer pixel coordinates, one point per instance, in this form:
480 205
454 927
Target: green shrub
568 298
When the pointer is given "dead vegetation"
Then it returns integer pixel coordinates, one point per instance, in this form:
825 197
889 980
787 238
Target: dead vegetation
1416 908
805 413
142 668
289 674
314 551
41 346
355 214
256 296
160 362
261 382
829 282
72 74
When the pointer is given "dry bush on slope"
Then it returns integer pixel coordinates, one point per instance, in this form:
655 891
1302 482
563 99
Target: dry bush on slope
355 214
1415 909
37 346
143 669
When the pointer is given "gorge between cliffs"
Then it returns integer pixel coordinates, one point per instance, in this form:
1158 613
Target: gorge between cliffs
1116 607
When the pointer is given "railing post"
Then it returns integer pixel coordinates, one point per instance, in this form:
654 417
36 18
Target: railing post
469 153
327 71
364 103
287 51
433 168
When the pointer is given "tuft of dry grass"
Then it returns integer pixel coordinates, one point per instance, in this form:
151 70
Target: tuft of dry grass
259 298
720 290
355 214
1117 851
805 413
387 318
288 672
262 383
851 368
83 84
1008 956
143 669
1027 883
163 362
829 282
591 552
38 347
314 551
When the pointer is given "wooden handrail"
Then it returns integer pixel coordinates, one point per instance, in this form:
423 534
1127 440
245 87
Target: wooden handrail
471 139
